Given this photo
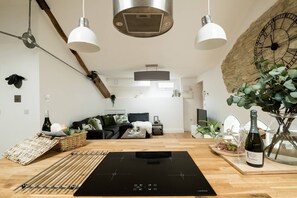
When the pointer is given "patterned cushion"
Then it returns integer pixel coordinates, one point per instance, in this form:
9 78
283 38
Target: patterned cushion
96 123
120 119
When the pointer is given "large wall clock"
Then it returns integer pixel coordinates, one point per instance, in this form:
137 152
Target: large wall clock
277 41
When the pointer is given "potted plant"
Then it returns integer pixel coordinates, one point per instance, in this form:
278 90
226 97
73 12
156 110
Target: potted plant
112 98
211 130
275 91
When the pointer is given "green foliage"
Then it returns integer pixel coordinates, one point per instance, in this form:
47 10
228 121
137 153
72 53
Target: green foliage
112 98
274 91
68 131
212 128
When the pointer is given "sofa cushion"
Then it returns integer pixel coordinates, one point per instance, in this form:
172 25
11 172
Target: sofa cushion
96 123
133 117
79 124
113 128
108 120
120 118
88 127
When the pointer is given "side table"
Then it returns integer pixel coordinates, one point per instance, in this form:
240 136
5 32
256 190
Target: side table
157 129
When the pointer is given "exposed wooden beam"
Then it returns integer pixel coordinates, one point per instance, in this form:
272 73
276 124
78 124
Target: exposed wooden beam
98 83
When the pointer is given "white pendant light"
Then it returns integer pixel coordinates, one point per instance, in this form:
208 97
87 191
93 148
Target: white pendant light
211 35
82 38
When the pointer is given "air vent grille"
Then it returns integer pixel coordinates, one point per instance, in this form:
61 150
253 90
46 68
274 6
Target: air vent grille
143 22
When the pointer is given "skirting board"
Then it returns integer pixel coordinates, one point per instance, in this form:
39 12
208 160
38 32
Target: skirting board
173 131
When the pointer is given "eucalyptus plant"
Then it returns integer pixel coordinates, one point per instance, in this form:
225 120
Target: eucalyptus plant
274 91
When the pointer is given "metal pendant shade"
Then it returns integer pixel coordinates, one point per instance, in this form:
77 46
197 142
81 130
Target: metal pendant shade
82 38
211 35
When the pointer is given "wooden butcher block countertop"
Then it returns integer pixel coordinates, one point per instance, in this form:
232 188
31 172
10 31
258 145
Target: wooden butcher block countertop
225 179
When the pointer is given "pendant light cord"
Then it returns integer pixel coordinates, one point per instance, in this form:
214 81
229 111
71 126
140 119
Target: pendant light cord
208 11
83 8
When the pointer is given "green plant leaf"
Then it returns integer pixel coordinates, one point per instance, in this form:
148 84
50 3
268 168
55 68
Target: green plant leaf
290 99
242 87
293 94
230 100
241 102
278 97
248 90
277 71
292 73
257 86
289 85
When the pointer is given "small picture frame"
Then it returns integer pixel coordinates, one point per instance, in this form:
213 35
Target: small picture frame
156 119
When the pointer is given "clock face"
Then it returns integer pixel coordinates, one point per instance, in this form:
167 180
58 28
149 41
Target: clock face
277 41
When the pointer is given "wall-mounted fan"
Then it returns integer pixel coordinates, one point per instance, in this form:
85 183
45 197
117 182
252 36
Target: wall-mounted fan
30 42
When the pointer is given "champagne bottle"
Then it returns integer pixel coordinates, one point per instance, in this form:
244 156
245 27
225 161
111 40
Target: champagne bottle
254 145
47 123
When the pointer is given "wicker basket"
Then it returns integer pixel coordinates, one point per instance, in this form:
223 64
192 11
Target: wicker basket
71 142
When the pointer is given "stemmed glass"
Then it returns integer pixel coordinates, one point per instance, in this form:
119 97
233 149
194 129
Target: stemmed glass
239 137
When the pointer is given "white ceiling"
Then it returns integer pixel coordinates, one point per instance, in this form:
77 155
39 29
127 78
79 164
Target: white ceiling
121 55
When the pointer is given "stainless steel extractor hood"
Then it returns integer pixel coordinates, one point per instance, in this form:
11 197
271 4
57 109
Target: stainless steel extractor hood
142 18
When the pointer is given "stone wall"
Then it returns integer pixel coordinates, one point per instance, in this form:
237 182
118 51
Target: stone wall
238 65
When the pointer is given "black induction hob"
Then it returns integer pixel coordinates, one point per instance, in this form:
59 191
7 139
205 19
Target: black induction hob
146 174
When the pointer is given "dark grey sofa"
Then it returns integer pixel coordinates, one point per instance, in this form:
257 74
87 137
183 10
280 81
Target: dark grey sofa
108 131
111 131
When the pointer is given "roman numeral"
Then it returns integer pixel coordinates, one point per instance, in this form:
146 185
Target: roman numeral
273 24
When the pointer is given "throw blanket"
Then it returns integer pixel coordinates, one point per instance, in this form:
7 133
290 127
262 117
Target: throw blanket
143 125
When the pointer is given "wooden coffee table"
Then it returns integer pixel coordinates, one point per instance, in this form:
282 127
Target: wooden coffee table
131 134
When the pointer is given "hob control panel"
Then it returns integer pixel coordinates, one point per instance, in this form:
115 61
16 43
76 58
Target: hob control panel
145 187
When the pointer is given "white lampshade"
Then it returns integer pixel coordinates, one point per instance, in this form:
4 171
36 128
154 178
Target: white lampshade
82 38
210 36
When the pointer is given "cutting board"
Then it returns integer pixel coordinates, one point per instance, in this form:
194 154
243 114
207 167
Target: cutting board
270 167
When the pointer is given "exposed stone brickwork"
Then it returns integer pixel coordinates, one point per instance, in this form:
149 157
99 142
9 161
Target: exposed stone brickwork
238 65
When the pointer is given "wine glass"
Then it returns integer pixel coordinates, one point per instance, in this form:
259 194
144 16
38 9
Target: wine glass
239 135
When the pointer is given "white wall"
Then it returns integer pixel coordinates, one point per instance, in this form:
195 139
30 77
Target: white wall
169 110
17 120
70 96
67 94
192 95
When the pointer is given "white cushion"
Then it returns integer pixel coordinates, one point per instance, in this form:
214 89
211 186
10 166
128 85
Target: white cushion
143 125
98 123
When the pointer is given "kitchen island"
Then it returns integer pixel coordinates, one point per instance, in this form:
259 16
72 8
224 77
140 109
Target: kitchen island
225 180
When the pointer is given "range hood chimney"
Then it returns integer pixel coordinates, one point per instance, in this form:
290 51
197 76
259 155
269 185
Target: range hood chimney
142 18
